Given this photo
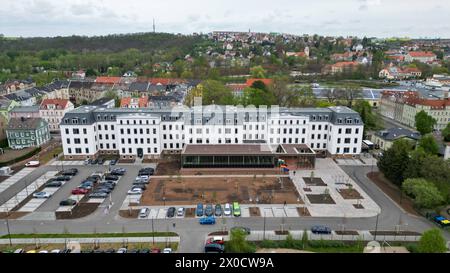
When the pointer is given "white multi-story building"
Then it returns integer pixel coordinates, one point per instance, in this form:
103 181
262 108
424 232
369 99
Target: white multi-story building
53 110
90 131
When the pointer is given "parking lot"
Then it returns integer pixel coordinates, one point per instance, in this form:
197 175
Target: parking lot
14 178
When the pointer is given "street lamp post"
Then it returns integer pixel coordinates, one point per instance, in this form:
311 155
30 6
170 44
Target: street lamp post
376 228
153 232
264 226
9 233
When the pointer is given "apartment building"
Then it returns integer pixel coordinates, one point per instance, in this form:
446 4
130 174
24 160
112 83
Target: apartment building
53 110
89 131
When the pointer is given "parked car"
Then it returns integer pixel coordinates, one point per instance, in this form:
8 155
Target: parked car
103 189
68 202
140 181
139 186
321 230
245 230
167 250
111 177
227 211
66 250
94 162
215 240
144 250
442 221
79 191
43 251
171 212
214 248
180 211
110 250
147 171
236 209
118 171
218 210
156 250
71 172
63 178
56 251
88 162
53 184
209 211
144 212
134 191
41 194
199 210
19 250
32 163
100 161
107 184
122 250
113 162
133 251
207 220
98 195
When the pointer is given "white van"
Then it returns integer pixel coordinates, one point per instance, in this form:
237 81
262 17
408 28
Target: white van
143 213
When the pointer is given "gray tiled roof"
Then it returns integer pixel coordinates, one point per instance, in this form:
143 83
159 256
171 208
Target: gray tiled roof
396 133
25 123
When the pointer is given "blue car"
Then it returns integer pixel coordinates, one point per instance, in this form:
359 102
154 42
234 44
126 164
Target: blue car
207 220
199 210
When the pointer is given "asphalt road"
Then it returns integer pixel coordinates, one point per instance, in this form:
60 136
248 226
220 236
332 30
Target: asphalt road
191 232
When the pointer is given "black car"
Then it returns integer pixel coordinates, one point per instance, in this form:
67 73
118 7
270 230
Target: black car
68 202
171 212
320 230
118 172
103 189
144 251
146 171
63 178
218 210
71 172
113 162
110 250
111 177
100 161
94 178
105 186
94 162
53 184
133 251
108 184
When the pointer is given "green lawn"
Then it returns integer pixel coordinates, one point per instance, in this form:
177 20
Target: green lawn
90 235
49 155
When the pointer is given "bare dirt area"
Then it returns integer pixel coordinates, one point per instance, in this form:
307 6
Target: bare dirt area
393 192
12 214
320 199
192 190
346 232
168 168
133 214
303 211
350 194
79 211
190 213
315 181
254 211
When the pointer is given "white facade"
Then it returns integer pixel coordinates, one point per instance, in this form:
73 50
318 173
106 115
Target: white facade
149 132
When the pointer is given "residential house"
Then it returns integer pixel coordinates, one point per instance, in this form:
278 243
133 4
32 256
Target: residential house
251 81
6 106
398 73
104 103
385 138
341 67
25 112
27 132
421 56
52 111
128 102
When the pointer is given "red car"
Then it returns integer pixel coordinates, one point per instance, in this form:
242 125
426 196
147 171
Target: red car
80 191
156 250
215 240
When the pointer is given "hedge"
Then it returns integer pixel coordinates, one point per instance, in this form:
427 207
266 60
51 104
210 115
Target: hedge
20 158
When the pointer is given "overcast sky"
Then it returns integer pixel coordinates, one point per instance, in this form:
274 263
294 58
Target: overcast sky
381 18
